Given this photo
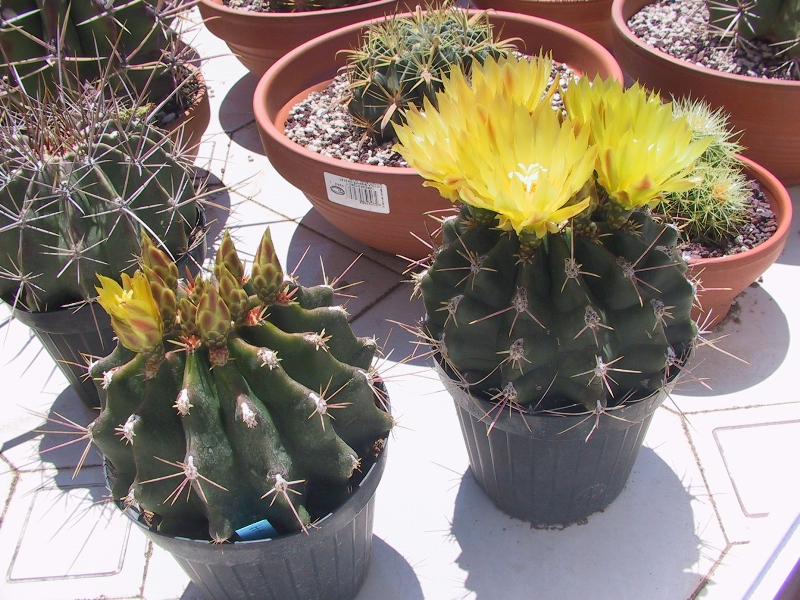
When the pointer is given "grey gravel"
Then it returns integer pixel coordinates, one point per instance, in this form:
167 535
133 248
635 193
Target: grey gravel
681 29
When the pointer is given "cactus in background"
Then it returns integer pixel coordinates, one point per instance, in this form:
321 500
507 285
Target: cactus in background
552 289
776 21
233 399
81 179
404 60
716 208
48 44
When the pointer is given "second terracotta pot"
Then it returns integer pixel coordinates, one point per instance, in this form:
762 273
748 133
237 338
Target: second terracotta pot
384 207
722 279
258 39
765 110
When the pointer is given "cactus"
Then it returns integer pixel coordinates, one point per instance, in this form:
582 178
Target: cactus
714 210
776 21
81 179
48 44
403 60
233 399
552 288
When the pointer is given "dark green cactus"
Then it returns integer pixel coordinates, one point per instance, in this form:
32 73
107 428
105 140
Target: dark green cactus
777 21
246 410
586 318
403 60
80 181
48 44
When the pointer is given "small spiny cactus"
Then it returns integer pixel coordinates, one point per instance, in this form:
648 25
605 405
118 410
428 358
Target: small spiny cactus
403 61
715 209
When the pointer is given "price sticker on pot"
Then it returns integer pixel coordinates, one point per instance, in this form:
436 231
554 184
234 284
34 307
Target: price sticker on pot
361 195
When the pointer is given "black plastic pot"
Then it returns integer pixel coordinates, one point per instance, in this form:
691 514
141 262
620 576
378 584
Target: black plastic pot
73 336
328 563
552 470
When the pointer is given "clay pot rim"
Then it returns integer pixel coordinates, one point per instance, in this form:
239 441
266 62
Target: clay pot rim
278 134
780 198
620 25
218 6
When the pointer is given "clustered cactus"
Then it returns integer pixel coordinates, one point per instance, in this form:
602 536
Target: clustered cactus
233 399
81 179
776 21
552 288
46 45
713 211
404 60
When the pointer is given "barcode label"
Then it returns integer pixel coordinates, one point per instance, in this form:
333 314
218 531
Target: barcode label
362 195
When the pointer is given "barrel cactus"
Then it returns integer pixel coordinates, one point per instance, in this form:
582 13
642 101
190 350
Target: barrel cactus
233 398
81 179
47 44
553 288
403 60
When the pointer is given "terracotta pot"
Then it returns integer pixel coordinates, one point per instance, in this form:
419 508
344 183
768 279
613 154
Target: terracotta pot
188 129
258 39
591 17
405 201
724 278
764 109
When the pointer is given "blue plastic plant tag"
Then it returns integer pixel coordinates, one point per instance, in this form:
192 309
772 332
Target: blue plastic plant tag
260 530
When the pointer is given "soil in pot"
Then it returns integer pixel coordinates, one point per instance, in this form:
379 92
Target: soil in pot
681 29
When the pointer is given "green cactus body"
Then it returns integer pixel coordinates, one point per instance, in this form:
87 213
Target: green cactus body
404 60
777 21
76 197
581 321
260 419
86 39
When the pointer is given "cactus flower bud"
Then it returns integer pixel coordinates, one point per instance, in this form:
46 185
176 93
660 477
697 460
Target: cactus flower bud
267 274
159 262
229 258
213 318
232 294
135 315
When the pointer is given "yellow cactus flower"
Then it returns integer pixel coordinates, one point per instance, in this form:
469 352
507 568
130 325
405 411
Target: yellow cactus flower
495 145
643 151
135 315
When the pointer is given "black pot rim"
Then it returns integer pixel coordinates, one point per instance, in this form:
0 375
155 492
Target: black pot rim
554 424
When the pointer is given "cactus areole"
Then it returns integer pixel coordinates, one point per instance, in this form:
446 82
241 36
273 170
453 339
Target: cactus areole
233 399
552 288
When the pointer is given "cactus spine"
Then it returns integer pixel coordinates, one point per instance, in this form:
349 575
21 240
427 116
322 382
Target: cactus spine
80 180
403 60
49 44
776 21
252 399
